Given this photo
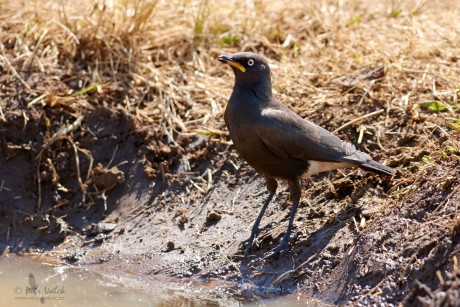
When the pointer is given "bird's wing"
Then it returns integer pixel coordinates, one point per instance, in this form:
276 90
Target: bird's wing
289 136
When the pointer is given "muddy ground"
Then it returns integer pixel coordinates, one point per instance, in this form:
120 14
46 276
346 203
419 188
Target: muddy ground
355 240
128 169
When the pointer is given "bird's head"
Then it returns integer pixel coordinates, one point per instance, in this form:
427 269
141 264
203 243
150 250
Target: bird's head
249 68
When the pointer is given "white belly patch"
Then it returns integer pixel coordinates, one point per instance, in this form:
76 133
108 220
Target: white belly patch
320 166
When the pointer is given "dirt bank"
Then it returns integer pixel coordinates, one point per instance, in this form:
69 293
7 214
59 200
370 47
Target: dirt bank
355 239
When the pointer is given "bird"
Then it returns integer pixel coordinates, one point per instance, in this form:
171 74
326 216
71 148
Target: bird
277 142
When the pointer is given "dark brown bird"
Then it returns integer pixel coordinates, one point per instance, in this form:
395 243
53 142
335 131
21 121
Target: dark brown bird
277 142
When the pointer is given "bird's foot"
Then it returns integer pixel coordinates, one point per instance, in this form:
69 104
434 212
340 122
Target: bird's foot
250 241
280 250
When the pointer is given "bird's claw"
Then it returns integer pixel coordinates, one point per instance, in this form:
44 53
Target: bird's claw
249 242
280 250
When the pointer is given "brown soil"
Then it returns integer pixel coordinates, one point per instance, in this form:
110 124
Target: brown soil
155 188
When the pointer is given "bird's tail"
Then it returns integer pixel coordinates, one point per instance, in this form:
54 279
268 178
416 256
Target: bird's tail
377 167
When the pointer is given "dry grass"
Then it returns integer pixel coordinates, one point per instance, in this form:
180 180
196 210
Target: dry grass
167 50
157 60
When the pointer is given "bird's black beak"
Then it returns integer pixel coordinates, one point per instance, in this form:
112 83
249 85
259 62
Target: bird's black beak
228 60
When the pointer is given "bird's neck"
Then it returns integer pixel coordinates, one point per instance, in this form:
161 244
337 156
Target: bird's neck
261 89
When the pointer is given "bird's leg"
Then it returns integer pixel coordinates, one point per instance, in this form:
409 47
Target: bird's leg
295 190
272 185
255 227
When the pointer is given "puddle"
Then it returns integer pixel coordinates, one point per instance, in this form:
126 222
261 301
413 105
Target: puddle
26 281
